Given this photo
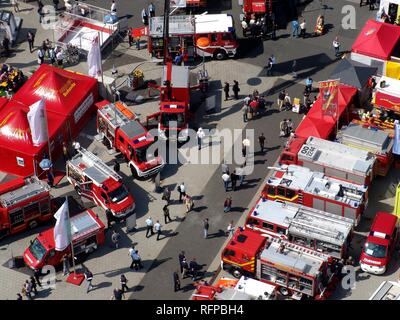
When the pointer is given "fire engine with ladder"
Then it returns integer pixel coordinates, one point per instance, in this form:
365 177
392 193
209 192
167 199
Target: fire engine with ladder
24 202
312 228
315 190
296 271
94 180
120 129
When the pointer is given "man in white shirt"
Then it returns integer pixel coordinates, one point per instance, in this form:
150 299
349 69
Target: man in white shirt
303 26
157 227
113 7
182 191
200 135
336 46
149 227
226 178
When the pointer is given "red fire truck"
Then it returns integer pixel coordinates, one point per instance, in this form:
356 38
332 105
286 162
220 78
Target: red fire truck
315 190
337 160
23 204
174 115
315 229
208 35
120 129
87 232
296 271
94 180
233 289
377 142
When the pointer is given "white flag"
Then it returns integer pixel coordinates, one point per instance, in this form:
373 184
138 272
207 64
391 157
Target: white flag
396 143
37 123
62 229
94 58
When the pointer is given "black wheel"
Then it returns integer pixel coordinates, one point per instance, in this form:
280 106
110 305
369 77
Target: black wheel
237 273
220 55
78 191
134 172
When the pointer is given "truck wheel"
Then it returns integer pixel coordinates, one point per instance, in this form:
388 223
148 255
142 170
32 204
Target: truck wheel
220 55
33 224
237 273
134 172
78 191
283 291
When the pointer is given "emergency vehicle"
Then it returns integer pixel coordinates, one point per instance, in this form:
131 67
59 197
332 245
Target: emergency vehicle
388 290
235 289
24 202
120 129
296 271
94 180
206 35
337 160
315 190
174 114
375 141
380 243
87 232
315 229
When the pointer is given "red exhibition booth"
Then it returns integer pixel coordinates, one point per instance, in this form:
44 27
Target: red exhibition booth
70 101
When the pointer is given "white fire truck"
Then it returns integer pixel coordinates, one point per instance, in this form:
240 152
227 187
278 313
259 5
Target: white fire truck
94 180
23 204
337 160
210 35
388 290
315 229
315 190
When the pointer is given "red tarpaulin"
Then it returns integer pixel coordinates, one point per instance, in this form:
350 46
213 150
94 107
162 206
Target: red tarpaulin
345 96
3 102
387 101
377 40
66 93
17 152
314 127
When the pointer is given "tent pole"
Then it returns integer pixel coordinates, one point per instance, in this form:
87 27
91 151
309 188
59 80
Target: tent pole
72 246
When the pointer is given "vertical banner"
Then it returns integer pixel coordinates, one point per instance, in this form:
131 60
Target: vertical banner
396 142
37 123
329 90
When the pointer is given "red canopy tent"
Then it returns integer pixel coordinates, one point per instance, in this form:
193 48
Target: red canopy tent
3 101
17 153
69 94
314 127
377 40
345 96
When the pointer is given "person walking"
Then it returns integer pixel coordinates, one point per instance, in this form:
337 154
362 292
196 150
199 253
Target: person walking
123 281
200 136
206 226
185 268
157 228
145 17
37 273
33 285
287 102
224 167
115 237
177 282
226 179
109 217
193 268
236 89
290 126
281 99
189 204
309 83
52 56
118 294
295 28
303 27
28 289
40 11
336 46
166 195
31 40
149 227
152 10
234 179
227 204
226 90
60 58
40 55
240 174
132 254
113 8
182 191
261 141
230 229
245 145
245 111
89 278
15 4
282 128
287 128
247 100
65 265
167 217
181 258
137 260
269 67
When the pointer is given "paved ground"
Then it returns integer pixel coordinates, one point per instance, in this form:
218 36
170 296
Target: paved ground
314 57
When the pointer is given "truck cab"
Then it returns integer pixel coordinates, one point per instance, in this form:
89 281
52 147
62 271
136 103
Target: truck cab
289 153
379 246
87 232
120 129
239 255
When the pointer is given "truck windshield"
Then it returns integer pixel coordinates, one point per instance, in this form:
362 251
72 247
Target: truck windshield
375 250
178 118
118 194
142 155
37 249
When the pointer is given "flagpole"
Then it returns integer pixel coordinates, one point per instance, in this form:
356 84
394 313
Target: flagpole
47 132
72 246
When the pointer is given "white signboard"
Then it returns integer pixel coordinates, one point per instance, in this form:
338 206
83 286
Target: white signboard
178 3
83 108
20 161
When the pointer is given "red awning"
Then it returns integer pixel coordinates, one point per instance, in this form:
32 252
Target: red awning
314 127
387 101
377 40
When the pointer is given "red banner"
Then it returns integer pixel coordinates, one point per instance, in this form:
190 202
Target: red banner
387 101
329 91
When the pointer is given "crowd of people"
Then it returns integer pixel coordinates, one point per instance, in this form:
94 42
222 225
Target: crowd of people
11 79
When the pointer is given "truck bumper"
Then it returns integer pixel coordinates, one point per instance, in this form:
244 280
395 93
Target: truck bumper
152 171
372 269
122 216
